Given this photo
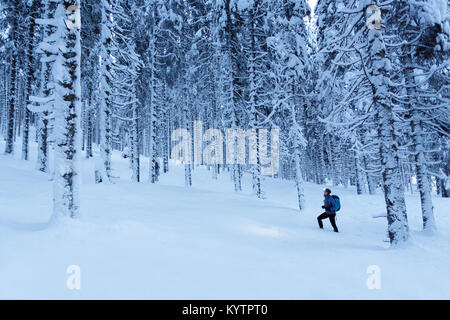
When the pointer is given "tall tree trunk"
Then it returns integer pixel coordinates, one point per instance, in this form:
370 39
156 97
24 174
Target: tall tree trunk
360 185
299 178
30 75
153 104
136 177
166 142
253 92
392 182
417 132
106 99
332 161
9 148
46 91
67 115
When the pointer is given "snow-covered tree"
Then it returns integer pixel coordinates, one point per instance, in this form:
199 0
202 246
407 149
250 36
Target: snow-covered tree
67 108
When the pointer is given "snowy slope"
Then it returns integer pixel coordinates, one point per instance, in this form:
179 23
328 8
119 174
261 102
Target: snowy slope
166 241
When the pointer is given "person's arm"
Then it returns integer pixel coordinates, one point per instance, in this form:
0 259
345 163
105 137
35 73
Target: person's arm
326 204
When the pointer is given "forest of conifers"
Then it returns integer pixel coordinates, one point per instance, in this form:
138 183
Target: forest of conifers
359 90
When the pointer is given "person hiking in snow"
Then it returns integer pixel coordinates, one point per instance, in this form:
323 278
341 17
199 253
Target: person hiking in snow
330 213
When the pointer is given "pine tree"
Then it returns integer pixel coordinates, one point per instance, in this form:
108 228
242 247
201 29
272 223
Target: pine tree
46 98
13 35
106 87
33 11
67 110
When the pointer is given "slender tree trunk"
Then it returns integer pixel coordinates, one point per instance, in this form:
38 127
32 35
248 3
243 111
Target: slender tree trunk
256 168
89 131
392 183
320 159
331 161
9 148
423 179
154 98
67 116
445 185
42 163
106 100
30 72
135 147
359 176
299 178
166 144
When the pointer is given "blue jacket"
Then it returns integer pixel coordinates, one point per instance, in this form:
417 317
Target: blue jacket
328 204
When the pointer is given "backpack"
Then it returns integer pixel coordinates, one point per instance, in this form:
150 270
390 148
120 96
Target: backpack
336 203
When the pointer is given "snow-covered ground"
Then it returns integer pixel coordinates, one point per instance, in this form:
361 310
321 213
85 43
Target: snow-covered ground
164 241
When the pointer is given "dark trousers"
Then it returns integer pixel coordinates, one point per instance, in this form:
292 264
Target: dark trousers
332 218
